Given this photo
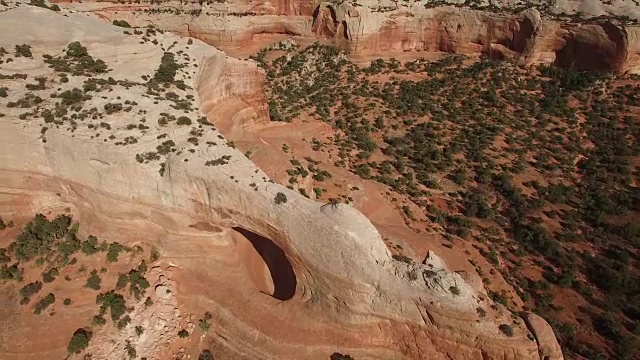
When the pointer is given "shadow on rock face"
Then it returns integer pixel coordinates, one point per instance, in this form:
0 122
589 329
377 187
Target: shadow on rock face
282 275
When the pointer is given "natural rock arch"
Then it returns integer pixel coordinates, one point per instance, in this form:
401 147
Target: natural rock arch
283 279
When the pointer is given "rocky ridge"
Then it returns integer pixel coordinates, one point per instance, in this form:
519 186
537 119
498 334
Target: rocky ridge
589 34
124 145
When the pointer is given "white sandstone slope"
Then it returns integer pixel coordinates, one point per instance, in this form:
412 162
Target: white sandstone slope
142 159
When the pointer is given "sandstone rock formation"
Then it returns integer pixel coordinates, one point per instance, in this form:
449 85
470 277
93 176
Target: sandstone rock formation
504 29
284 280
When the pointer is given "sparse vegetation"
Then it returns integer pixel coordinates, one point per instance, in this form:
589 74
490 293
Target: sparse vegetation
79 341
77 61
204 323
23 50
121 23
42 4
29 290
280 198
534 166
44 303
93 281
506 329
206 355
339 356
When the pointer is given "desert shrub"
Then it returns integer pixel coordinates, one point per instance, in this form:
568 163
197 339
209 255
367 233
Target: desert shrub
39 86
131 351
481 312
4 257
112 108
280 198
50 275
223 160
154 255
339 356
12 272
138 283
79 341
506 329
112 302
29 100
77 61
38 236
67 301
114 251
122 323
206 355
98 320
23 50
121 23
42 4
44 303
73 96
90 245
123 280
183 333
29 290
402 258
93 281
204 322
183 120
167 70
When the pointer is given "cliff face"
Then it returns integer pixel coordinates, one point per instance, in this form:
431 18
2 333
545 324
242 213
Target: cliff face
279 277
377 27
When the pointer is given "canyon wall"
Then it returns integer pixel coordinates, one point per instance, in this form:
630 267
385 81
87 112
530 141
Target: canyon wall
326 281
383 27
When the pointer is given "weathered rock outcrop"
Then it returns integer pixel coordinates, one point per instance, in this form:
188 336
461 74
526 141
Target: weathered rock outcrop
284 280
381 26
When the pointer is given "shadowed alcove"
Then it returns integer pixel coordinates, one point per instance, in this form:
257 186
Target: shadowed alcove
272 272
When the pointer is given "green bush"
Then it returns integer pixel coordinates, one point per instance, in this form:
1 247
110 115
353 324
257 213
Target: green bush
167 70
99 320
93 281
112 302
79 341
280 198
183 120
29 290
50 276
44 303
114 251
204 323
23 50
121 23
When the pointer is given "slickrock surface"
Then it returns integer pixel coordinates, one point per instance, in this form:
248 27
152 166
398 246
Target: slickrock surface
133 157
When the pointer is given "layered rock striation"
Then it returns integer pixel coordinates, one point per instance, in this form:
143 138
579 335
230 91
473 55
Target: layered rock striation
587 38
285 279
